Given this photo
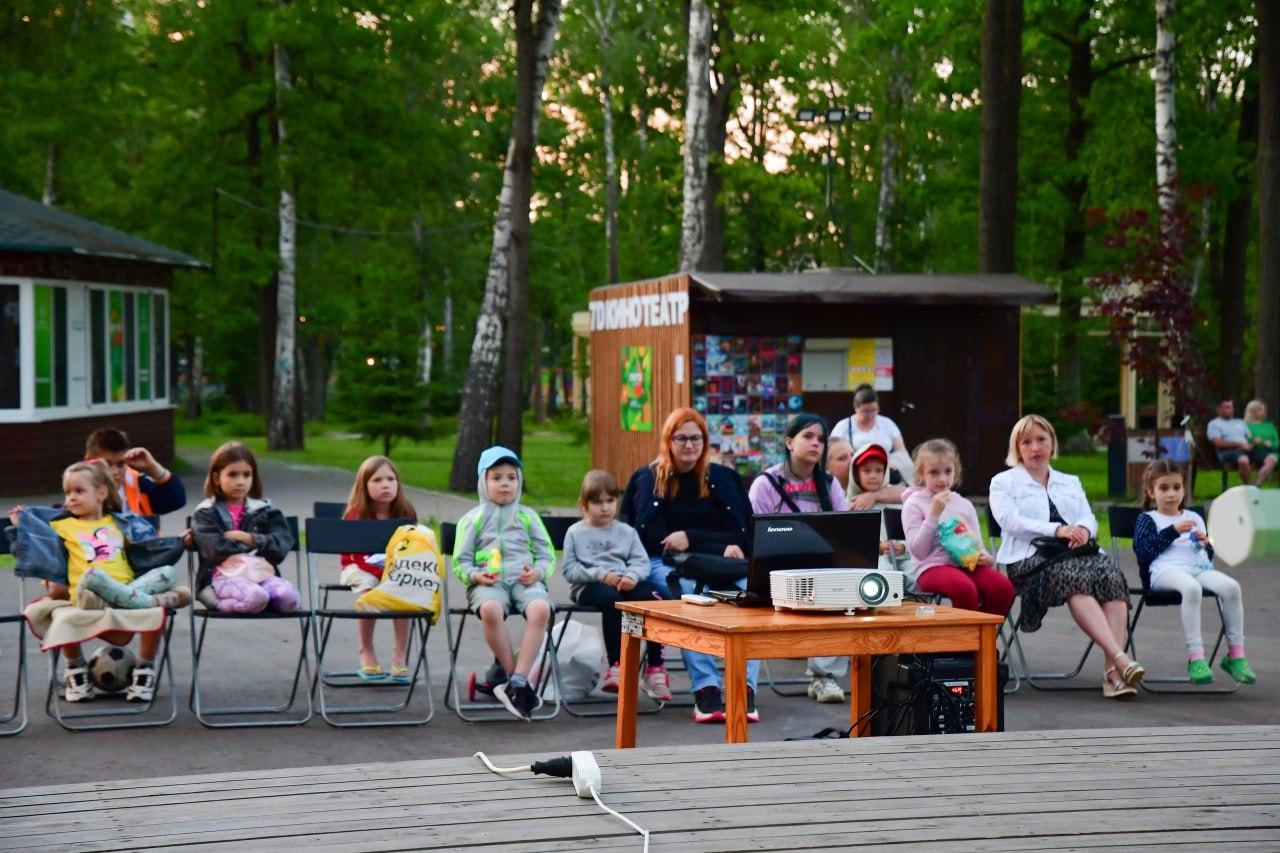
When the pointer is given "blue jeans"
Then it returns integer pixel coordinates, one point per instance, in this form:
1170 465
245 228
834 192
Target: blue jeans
702 667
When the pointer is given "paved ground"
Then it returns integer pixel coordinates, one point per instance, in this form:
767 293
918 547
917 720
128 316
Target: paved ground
248 664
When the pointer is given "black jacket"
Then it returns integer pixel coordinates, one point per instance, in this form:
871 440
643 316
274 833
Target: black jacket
272 537
644 508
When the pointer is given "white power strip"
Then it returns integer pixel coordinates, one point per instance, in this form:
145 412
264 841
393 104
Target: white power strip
586 774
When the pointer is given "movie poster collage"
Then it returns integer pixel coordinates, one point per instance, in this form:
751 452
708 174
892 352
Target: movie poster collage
748 388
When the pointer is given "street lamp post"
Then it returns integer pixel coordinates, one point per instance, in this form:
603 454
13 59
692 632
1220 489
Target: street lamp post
832 116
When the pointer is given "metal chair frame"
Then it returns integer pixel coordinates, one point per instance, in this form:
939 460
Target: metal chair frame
326 536
486 712
1123 519
19 711
209 716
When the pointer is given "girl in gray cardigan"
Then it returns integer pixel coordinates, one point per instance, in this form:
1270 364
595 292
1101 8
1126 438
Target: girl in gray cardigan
606 563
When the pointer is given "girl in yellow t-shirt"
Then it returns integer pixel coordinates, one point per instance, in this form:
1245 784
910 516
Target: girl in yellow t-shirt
98 574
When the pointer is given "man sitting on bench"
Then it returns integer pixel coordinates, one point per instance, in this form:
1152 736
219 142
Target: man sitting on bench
1233 445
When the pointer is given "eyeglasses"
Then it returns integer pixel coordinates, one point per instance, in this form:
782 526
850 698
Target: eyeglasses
686 439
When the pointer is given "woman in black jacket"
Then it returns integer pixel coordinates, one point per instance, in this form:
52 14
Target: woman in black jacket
682 502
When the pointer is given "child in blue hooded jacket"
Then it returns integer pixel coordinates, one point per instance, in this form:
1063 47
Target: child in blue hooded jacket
504 556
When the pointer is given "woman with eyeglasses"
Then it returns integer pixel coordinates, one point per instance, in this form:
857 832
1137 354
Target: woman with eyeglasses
682 502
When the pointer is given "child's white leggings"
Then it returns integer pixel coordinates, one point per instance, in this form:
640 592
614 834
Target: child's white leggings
1223 585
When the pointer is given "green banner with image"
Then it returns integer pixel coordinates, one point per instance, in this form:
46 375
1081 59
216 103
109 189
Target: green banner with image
637 389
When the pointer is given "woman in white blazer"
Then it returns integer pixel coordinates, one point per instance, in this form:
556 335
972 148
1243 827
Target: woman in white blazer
1031 500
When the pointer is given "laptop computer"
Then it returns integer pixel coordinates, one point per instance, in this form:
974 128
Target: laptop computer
809 540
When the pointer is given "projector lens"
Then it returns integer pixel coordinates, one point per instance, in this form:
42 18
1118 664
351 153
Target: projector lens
874 589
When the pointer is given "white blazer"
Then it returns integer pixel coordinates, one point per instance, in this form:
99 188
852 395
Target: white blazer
1021 508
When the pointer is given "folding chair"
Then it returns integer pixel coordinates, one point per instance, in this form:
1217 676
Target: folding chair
1123 520
338 536
329 509
485 712
19 711
210 716
1012 642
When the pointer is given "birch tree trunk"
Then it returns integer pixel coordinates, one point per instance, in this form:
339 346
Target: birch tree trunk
1001 100
1235 247
693 220
1266 365
52 160
1166 121
888 197
285 432
424 285
475 418
604 12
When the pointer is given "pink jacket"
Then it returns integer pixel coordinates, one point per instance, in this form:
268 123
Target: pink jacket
922 531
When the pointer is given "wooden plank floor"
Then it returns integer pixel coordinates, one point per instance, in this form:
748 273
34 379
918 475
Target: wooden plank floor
1118 789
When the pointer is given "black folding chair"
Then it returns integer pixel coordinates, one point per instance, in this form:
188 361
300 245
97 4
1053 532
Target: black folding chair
1123 520
329 510
485 712
1039 680
18 713
337 536
211 716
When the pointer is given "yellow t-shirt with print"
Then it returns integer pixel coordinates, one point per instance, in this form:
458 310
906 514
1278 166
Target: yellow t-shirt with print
96 543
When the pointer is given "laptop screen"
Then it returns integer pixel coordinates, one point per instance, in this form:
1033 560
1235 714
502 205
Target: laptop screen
812 540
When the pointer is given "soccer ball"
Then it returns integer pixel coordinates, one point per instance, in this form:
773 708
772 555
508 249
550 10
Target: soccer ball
111 668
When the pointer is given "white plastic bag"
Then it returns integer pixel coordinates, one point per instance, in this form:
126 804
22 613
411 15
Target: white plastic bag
580 659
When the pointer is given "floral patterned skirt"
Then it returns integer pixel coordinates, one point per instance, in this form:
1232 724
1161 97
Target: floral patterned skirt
1095 576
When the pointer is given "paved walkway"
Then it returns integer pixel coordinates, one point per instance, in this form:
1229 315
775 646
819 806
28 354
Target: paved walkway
244 665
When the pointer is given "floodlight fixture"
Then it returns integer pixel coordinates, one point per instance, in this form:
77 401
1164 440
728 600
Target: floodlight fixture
836 115
806 114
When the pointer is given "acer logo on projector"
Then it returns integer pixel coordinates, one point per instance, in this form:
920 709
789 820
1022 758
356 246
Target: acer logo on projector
779 529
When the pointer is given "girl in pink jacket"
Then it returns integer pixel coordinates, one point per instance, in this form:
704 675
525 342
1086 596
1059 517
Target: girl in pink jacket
942 531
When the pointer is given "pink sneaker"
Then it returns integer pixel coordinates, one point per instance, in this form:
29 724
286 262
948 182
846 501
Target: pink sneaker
656 683
609 679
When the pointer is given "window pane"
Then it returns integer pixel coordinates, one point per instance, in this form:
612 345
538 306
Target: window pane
130 350
161 373
44 345
117 345
59 346
144 346
98 345
10 348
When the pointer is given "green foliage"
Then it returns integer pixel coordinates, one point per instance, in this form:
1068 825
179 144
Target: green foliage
380 392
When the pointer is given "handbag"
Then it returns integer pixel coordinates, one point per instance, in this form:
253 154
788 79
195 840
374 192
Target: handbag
1054 551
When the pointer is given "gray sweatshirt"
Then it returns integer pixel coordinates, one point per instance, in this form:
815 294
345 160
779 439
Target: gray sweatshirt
592 552
515 531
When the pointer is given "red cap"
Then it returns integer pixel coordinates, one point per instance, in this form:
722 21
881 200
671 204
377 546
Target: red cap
871 451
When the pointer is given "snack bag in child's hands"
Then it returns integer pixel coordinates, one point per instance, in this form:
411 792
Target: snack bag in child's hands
251 567
489 561
959 543
411 577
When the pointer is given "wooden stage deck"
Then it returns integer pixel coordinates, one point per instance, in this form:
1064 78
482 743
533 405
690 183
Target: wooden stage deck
1201 788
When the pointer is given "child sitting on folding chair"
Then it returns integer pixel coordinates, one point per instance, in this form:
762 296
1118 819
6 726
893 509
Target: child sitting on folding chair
88 553
241 539
376 495
606 562
1170 542
504 557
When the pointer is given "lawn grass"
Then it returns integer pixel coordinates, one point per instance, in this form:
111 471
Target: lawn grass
555 455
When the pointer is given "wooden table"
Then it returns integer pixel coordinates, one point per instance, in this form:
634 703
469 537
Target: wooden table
739 634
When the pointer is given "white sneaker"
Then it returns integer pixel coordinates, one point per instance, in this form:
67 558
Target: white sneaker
143 688
826 689
76 679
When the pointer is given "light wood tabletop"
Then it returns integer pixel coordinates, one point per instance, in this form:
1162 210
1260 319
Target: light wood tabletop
739 634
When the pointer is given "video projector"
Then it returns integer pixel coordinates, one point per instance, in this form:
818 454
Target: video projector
847 590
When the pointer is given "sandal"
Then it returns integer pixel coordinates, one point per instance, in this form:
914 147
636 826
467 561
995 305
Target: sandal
371 673
1112 690
400 674
1133 673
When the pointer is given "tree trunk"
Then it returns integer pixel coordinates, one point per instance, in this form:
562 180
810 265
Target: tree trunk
448 334
1266 368
719 111
897 100
424 307
1001 98
1235 247
604 13
1080 77
475 418
1166 120
537 401
195 368
317 357
52 160
285 431
693 227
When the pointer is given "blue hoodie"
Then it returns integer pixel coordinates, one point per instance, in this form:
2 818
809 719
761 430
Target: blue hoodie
516 531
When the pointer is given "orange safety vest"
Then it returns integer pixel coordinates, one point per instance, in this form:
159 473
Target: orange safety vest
135 500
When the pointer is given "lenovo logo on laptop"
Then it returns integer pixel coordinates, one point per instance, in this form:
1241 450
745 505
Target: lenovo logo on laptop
778 529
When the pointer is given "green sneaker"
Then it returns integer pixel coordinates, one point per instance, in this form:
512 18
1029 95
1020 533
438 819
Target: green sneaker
1198 672
1238 668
